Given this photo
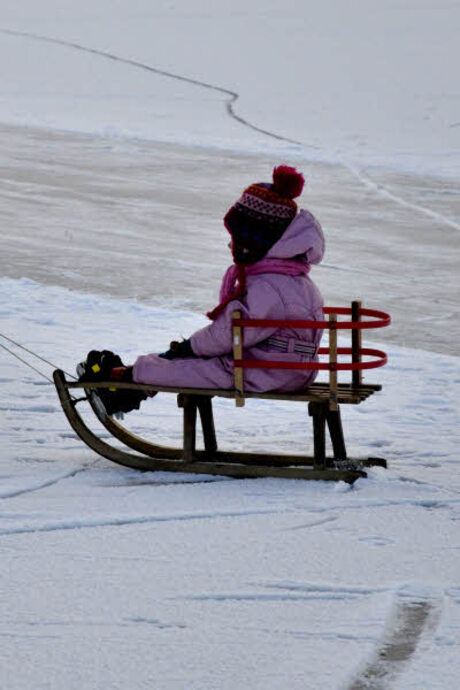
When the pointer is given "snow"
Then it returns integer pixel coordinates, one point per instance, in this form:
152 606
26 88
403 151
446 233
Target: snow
209 575
116 578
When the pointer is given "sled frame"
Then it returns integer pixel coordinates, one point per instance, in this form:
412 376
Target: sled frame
211 460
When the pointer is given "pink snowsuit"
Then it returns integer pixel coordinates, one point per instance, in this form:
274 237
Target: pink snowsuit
268 296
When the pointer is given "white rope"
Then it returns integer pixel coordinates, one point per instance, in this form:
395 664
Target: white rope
64 403
26 363
34 354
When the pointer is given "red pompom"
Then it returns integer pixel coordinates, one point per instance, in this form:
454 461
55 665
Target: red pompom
287 181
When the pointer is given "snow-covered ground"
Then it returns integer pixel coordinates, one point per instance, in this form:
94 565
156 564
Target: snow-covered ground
118 578
114 178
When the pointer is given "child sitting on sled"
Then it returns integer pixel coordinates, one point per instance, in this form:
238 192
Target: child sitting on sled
273 246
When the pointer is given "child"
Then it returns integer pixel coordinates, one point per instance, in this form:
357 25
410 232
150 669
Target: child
273 247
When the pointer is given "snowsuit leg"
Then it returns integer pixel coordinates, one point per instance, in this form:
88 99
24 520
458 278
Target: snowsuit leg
193 372
217 372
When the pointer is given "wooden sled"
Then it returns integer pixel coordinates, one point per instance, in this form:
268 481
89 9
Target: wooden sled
323 399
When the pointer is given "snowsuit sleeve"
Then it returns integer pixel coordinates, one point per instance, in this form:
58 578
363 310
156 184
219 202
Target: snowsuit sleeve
261 301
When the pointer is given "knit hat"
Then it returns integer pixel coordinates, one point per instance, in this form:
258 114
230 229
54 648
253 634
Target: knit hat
259 218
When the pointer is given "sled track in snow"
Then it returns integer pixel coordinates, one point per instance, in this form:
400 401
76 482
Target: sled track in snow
409 621
232 97
50 482
123 521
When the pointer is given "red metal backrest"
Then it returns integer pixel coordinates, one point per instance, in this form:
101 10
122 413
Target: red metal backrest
356 325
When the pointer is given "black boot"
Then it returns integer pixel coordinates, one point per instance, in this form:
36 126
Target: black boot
98 366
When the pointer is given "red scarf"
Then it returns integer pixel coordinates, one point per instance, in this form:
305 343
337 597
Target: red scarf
234 280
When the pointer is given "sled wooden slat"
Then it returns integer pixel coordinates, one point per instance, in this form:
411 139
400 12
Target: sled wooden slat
356 343
333 381
237 342
318 392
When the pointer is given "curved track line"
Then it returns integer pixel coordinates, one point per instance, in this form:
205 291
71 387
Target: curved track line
232 97
50 482
374 187
61 525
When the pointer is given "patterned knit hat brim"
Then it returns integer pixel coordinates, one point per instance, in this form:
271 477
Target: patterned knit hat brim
257 221
262 199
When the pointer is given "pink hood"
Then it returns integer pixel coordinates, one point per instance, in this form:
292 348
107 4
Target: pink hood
303 236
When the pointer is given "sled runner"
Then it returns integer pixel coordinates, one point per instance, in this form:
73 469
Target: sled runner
324 400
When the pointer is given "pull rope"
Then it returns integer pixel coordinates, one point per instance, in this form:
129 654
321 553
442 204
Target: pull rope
34 354
26 363
65 403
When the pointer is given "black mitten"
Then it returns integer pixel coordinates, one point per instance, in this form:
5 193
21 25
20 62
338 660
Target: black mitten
178 350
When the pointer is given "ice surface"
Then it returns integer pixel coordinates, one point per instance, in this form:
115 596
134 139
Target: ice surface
359 80
81 212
